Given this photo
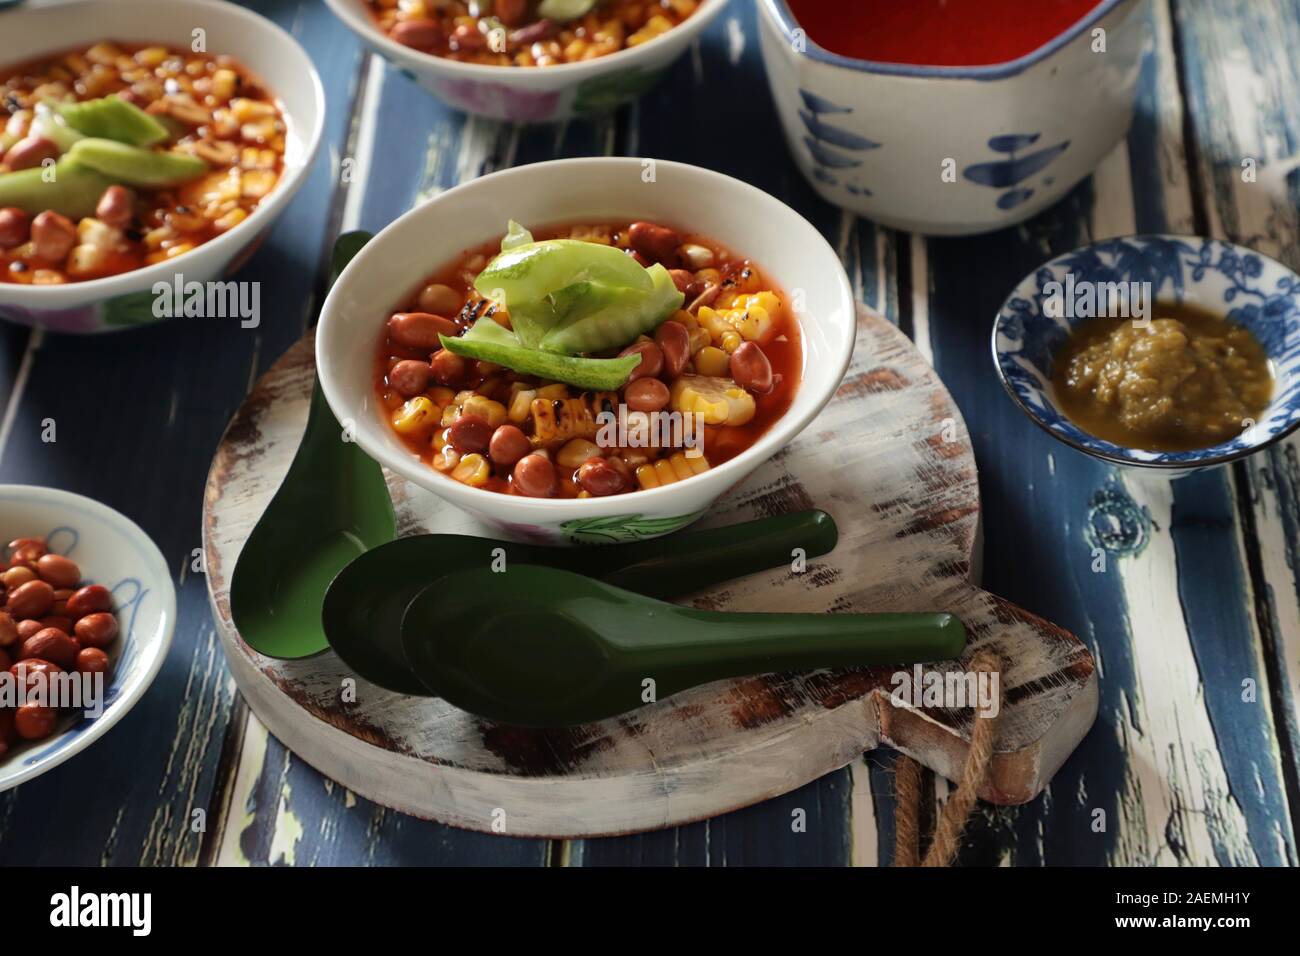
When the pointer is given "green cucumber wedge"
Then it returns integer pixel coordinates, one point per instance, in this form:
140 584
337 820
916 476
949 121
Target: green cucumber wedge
111 117
136 166
489 342
73 190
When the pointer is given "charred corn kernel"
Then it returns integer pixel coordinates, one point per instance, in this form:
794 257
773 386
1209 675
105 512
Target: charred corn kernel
730 341
230 220
664 472
712 361
473 470
699 339
151 56
646 477
521 404
257 183
450 413
720 400
179 249
713 322
558 420
247 111
655 26
486 408
105 54
224 84
575 452
441 396
696 256
417 414
446 460
553 391
441 438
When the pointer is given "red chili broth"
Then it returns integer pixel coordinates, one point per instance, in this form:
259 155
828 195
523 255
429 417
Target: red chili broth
937 32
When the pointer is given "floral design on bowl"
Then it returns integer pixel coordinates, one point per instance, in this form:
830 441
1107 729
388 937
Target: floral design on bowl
1248 288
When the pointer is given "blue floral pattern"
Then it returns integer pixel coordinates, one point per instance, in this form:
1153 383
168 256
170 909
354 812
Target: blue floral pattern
1014 170
829 145
1257 292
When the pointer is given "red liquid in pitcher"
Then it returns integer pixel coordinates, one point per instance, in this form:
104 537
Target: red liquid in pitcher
937 32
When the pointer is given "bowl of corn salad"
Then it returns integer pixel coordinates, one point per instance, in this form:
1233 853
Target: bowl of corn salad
588 357
531 60
144 150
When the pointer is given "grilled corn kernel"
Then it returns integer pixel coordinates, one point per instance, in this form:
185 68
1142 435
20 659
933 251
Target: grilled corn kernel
446 460
576 452
473 470
230 220
442 396
730 341
417 414
224 84
667 471
450 413
441 438
699 338
646 477
486 408
720 400
521 404
711 360
553 392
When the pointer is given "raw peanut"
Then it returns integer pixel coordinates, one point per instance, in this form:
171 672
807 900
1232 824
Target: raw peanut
91 660
53 236
34 722
57 621
682 279
410 377
8 630
16 577
534 477
652 360
466 37
439 299
50 644
30 600
422 33
470 434
116 207
27 628
508 445
15 226
448 368
751 369
30 152
657 243
646 395
675 344
58 571
510 12
88 600
599 478
96 630
419 330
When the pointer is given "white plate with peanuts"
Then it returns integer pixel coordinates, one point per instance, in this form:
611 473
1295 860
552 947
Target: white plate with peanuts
88 614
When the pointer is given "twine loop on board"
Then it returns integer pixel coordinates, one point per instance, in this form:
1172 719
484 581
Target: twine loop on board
957 810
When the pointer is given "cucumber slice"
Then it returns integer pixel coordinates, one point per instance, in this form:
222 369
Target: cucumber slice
565 10
516 235
74 191
136 166
111 117
50 124
606 319
489 342
530 272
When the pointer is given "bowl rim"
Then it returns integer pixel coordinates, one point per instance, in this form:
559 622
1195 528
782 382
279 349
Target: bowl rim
157 566
365 26
1105 454
785 21
241 235
730 472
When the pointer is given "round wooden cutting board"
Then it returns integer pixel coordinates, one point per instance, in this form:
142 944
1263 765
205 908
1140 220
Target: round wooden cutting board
889 458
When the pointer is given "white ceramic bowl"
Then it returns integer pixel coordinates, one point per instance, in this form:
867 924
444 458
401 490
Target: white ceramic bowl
125 300
534 94
874 137
111 550
746 220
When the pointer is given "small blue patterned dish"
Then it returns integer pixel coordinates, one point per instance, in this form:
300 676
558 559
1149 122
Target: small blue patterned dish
110 550
1247 288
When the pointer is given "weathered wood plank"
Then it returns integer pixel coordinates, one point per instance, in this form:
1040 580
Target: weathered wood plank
1242 85
137 416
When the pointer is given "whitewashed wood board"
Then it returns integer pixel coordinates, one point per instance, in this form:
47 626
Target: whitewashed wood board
889 458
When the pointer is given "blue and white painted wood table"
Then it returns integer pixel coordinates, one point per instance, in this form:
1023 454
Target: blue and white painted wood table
1194 621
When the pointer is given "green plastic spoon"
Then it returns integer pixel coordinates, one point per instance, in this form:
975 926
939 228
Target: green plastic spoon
332 505
363 608
541 647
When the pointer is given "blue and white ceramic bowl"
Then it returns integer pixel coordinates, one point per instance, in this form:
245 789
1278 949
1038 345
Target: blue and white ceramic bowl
111 550
1013 138
1230 280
